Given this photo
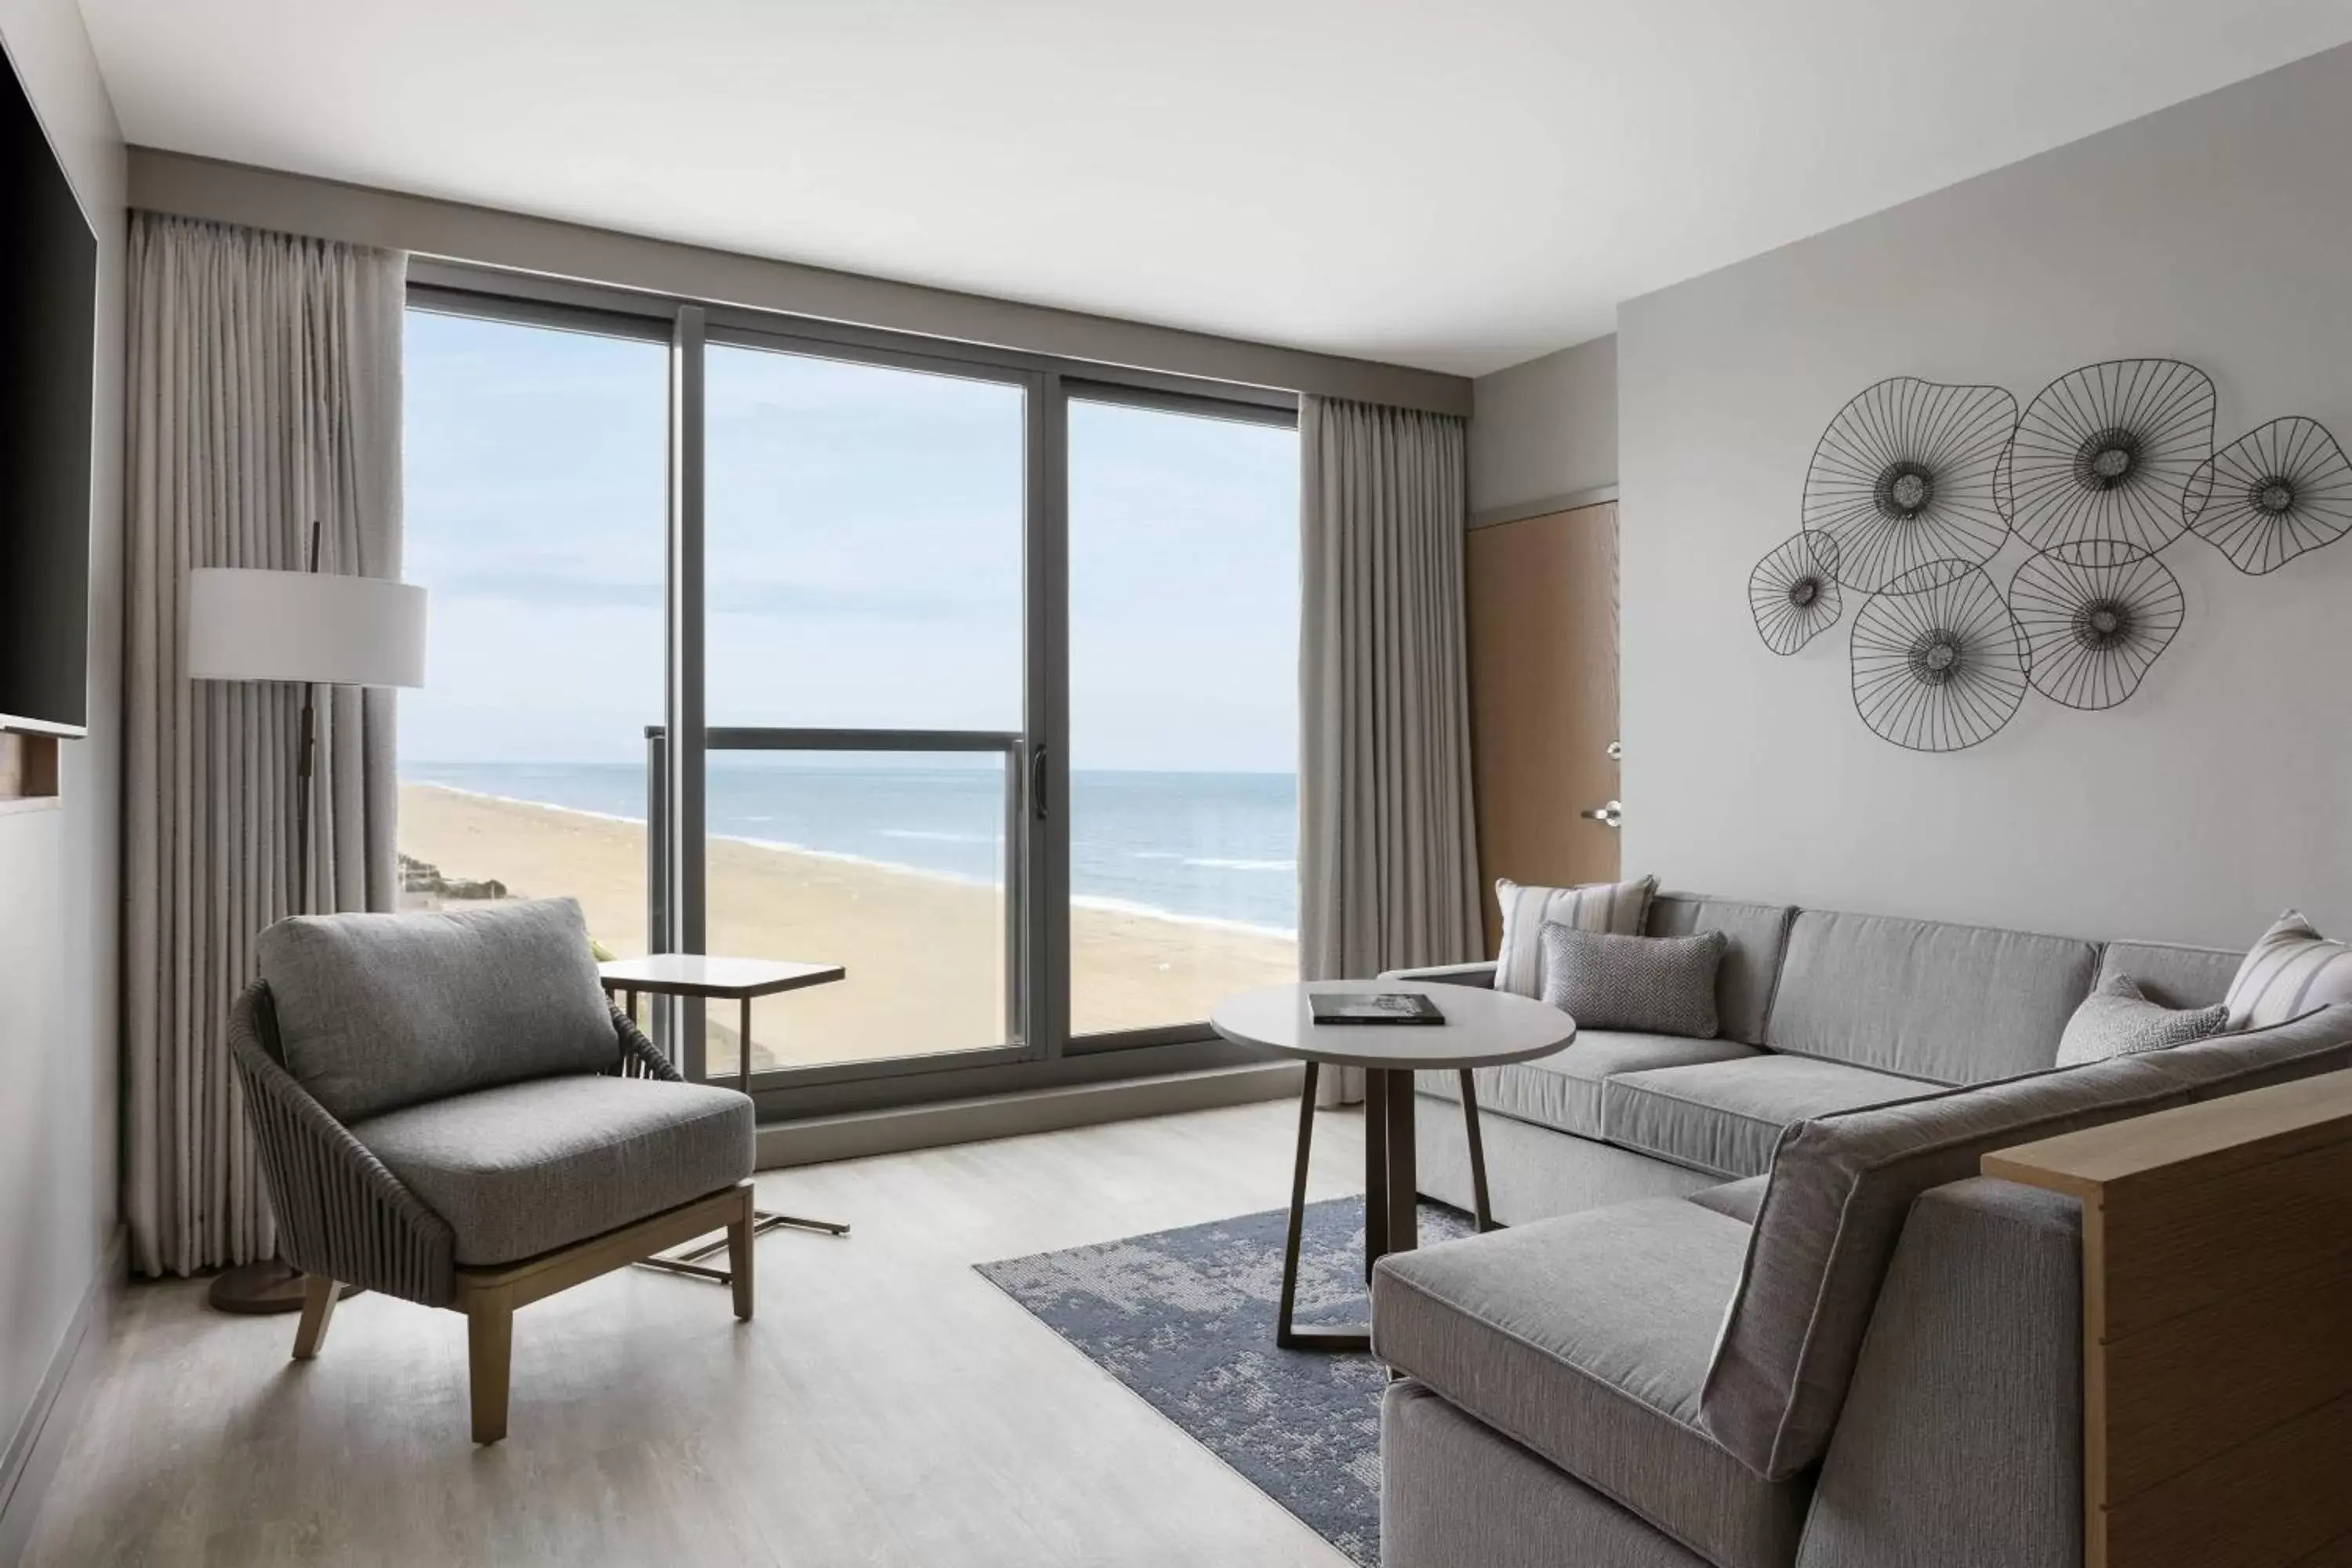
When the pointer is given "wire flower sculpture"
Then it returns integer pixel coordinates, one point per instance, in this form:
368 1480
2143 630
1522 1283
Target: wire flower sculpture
1793 592
1906 476
2275 492
1940 663
2096 616
2106 453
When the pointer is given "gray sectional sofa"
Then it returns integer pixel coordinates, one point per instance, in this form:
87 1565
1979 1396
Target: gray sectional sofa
1754 1307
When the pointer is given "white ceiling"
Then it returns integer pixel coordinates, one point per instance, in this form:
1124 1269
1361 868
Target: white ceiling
1457 187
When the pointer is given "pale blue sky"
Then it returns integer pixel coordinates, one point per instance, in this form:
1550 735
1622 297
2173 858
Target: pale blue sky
864 556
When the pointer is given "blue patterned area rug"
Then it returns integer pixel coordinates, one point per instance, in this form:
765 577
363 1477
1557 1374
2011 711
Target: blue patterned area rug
1185 1318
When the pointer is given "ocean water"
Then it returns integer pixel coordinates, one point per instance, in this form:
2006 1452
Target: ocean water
1201 845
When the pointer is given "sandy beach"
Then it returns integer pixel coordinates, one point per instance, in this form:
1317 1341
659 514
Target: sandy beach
925 953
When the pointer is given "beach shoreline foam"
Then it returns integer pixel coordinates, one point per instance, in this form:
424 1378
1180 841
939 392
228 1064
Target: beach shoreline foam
1077 900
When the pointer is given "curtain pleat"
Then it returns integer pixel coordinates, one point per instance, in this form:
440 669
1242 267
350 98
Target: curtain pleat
264 394
1388 850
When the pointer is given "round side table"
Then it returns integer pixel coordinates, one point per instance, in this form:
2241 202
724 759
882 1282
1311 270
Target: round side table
1482 1028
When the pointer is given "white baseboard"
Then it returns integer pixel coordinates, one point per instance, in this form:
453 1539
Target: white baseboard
848 1137
39 1444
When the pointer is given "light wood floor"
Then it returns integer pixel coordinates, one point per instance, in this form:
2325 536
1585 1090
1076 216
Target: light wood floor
888 1406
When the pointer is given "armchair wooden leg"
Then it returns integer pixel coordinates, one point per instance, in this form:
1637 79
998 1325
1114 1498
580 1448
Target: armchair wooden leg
740 1234
318 1297
489 1352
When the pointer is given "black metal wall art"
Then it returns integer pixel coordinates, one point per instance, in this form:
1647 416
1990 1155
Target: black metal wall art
1940 663
1792 594
2105 454
1905 474
2095 617
2275 492
1916 485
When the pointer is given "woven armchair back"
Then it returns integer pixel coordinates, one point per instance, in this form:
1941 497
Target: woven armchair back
340 1212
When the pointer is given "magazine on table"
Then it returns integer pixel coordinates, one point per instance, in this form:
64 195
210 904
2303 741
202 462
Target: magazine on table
1374 1007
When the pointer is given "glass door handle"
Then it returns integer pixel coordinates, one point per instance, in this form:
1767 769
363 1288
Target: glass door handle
1610 816
1037 783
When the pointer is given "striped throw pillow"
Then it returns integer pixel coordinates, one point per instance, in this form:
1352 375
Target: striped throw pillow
2291 970
1619 908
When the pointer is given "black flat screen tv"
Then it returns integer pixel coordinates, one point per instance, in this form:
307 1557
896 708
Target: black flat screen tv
49 306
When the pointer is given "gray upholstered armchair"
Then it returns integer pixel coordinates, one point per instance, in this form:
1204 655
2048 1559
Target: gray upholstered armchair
448 1110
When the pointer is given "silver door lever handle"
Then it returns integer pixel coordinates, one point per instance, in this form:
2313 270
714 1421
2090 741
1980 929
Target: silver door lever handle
1610 816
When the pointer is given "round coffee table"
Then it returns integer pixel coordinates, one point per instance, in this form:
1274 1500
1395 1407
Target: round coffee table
1482 1028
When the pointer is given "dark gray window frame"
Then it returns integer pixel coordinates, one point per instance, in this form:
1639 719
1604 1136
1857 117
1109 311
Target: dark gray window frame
1043 1055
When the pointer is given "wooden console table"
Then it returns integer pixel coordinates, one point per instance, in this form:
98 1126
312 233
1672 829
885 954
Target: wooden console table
2217 1327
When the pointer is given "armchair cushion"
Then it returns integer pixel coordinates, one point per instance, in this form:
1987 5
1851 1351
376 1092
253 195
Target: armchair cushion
1563 1090
377 1011
1725 1118
527 1167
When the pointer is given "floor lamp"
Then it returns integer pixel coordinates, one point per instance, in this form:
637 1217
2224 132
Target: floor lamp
316 629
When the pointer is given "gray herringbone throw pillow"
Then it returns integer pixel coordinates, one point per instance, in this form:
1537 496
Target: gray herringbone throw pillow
2116 1020
1657 985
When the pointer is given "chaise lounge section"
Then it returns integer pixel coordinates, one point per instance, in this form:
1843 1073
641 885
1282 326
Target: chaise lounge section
1756 1309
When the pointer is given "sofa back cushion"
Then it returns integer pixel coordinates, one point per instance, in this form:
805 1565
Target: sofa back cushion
2169 974
1753 935
1949 1003
1842 1185
377 1011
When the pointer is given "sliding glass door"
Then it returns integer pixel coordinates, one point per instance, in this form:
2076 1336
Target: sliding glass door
863 667
535 464
970 672
1183 617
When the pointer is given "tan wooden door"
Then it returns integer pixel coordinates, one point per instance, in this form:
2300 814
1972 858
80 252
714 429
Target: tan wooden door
1542 610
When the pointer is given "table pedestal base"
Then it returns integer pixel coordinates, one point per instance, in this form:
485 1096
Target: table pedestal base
1391 1198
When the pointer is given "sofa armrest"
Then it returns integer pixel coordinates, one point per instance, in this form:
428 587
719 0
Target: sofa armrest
1961 1437
340 1212
1481 975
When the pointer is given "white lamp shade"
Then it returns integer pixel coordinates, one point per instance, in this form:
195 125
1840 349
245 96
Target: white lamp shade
304 626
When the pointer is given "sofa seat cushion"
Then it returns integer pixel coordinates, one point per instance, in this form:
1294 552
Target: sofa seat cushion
527 1167
1586 1339
1725 1118
1562 1091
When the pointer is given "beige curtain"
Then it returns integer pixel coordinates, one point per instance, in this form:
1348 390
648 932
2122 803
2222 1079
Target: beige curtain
1387 853
264 393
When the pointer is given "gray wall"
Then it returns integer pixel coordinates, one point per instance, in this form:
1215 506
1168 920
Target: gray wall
1544 431
2218 232
59 868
